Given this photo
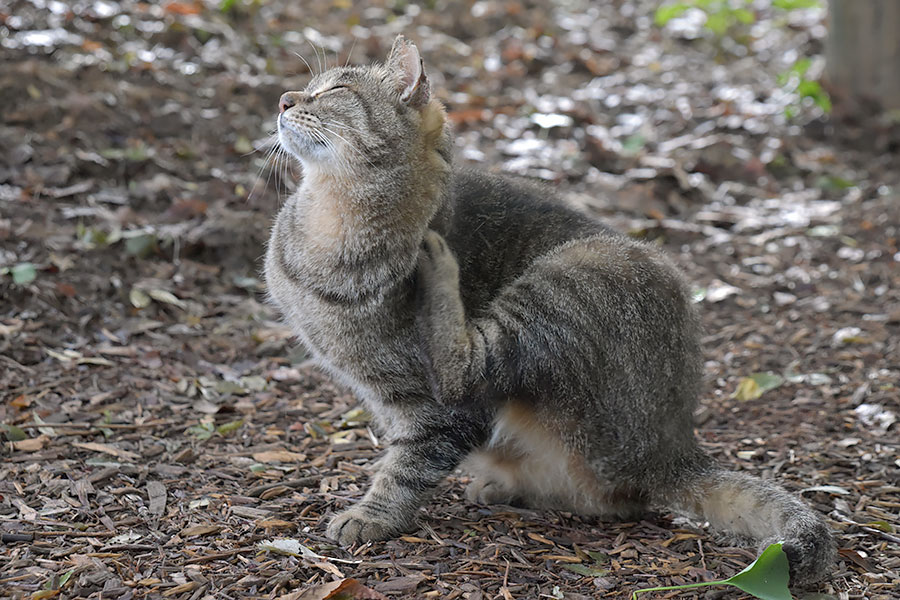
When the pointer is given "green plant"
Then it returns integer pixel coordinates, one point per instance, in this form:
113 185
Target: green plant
22 273
795 80
724 18
765 578
721 15
206 430
795 4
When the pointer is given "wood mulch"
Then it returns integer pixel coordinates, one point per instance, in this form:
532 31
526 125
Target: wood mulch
169 426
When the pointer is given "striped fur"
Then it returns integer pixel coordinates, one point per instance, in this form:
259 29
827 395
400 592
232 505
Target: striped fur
482 321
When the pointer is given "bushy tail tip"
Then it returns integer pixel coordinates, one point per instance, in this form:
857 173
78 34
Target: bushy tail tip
747 506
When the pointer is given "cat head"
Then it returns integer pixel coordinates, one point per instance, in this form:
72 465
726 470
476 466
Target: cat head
363 117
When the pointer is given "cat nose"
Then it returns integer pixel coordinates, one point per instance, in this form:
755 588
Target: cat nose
288 99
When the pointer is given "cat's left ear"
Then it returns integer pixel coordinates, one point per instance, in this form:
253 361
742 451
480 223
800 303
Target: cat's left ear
408 70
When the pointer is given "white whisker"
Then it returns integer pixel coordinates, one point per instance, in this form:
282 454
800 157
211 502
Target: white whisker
300 56
352 46
350 146
316 50
270 141
269 155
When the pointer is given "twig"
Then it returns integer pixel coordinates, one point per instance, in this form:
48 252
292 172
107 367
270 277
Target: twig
79 425
291 483
891 538
218 555
30 389
18 577
73 533
16 364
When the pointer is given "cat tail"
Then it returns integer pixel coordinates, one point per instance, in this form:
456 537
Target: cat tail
746 506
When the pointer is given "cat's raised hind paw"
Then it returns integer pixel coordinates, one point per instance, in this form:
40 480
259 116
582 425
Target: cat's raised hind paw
437 264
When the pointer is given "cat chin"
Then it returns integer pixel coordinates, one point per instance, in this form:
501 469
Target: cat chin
302 147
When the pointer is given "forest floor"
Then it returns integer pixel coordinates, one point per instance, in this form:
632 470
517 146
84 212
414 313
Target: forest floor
162 424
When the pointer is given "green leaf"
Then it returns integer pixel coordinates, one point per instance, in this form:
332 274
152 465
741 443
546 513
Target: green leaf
744 16
809 89
795 4
801 66
586 570
253 383
229 427
355 417
633 143
667 12
65 577
23 273
834 182
767 577
202 432
880 525
823 101
718 23
13 433
140 245
767 381
757 384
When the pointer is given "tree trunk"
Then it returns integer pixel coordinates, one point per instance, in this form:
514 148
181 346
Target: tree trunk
863 52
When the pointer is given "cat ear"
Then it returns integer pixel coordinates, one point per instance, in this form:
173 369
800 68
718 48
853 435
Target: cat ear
408 71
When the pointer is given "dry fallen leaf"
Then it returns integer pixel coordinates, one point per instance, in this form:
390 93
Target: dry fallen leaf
275 524
181 589
107 449
346 589
200 530
274 456
32 445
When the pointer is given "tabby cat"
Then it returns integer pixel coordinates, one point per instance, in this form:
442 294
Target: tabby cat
482 321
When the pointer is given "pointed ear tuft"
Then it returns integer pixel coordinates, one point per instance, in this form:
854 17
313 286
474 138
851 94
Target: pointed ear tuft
408 71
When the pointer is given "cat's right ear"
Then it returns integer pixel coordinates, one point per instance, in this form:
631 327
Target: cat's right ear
408 71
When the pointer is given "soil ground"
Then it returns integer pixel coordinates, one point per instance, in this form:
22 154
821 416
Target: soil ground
163 422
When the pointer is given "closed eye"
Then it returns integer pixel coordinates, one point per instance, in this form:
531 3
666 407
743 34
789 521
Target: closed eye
332 89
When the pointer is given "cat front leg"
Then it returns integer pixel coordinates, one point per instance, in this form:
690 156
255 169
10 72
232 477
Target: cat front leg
409 472
452 355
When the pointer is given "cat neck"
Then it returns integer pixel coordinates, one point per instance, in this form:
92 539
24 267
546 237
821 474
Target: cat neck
346 213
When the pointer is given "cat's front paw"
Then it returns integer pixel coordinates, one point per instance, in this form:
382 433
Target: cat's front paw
356 526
